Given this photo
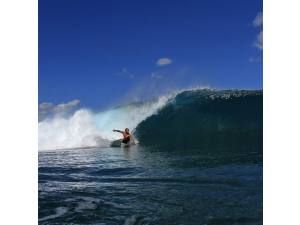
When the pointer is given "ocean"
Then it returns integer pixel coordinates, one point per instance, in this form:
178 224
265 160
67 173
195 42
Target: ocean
199 161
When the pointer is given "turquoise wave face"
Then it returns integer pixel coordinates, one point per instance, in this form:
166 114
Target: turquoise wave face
227 120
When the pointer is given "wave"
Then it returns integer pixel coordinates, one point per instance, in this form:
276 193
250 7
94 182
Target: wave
184 119
85 128
202 119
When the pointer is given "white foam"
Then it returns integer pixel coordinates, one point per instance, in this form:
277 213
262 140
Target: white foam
131 220
86 128
85 205
59 212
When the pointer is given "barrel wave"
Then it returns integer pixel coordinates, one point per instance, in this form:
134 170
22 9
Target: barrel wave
201 119
191 119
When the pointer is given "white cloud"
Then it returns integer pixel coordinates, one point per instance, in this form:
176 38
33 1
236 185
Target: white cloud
126 73
254 59
258 20
163 61
156 76
46 105
65 106
48 108
259 40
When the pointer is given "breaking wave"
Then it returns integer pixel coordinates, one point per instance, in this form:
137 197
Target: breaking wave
85 128
186 119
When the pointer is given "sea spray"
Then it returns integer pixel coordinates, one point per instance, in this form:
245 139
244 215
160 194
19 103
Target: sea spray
86 128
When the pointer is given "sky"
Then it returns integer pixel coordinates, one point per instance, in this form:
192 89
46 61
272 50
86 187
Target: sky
101 53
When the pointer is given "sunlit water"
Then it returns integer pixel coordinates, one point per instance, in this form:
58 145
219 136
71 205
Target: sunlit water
149 186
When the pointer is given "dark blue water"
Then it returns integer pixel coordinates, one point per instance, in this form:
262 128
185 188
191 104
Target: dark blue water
140 185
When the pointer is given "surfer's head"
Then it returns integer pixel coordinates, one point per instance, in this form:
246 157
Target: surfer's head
127 130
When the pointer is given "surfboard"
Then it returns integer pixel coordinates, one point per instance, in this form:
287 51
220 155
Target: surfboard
118 144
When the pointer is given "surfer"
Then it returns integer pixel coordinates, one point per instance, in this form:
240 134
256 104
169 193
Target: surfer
126 136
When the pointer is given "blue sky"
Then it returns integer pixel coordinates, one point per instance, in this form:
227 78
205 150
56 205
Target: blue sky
100 51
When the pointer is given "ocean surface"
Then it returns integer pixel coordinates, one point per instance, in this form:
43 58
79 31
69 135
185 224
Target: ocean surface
199 161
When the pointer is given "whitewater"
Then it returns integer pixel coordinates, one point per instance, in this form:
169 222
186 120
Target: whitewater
86 128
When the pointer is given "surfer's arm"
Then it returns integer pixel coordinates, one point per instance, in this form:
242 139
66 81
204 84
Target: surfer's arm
118 131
